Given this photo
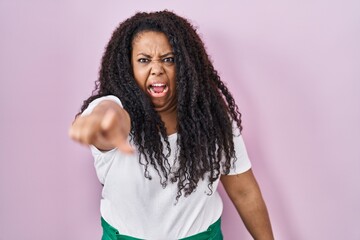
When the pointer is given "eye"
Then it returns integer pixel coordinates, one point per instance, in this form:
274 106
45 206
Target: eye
169 60
143 60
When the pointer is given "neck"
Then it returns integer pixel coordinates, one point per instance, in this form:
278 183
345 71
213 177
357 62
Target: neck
169 118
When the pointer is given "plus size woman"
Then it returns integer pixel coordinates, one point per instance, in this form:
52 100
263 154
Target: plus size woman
164 130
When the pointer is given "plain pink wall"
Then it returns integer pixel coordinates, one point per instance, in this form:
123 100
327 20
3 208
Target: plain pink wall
293 67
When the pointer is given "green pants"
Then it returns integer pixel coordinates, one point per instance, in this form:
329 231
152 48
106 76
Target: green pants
212 233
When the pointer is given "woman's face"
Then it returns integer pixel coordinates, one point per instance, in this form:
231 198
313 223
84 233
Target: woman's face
153 64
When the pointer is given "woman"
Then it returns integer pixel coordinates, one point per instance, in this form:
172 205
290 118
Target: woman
164 129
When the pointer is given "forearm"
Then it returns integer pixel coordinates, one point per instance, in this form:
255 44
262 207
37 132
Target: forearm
254 214
245 194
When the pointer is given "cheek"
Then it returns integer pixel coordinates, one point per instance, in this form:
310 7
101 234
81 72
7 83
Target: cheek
172 77
140 77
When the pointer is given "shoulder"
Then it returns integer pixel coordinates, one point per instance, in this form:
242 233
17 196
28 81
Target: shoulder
97 101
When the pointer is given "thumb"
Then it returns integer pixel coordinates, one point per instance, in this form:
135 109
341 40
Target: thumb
114 132
109 120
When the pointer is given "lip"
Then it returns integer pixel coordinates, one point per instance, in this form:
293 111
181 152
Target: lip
155 94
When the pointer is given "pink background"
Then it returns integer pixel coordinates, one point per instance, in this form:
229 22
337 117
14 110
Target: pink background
293 67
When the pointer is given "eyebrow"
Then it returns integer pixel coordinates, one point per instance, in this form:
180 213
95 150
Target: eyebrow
162 56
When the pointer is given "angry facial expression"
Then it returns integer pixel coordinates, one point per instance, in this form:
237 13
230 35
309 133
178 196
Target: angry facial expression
154 70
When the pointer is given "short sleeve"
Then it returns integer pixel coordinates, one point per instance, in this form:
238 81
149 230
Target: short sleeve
242 162
96 102
103 162
102 159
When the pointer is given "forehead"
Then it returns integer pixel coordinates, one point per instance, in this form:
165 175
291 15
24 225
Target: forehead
150 40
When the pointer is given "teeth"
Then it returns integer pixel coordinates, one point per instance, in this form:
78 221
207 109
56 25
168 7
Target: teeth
151 87
158 84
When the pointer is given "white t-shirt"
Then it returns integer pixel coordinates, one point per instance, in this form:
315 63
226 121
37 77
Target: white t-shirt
142 208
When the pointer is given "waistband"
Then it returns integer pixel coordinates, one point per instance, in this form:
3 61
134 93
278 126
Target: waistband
212 233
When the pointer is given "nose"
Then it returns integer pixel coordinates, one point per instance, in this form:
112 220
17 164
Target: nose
156 67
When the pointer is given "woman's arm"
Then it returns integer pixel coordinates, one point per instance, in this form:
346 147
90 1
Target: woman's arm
106 127
245 194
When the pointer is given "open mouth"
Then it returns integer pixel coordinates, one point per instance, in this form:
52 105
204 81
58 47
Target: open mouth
158 89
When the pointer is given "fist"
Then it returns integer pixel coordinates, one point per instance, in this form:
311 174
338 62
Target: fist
107 127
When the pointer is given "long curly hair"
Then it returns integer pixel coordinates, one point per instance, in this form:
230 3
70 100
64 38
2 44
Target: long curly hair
206 109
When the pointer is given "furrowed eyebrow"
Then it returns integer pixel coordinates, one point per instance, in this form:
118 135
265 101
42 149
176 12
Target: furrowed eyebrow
162 56
145 55
167 54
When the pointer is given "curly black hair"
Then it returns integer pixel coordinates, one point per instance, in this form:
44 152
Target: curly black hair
205 107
